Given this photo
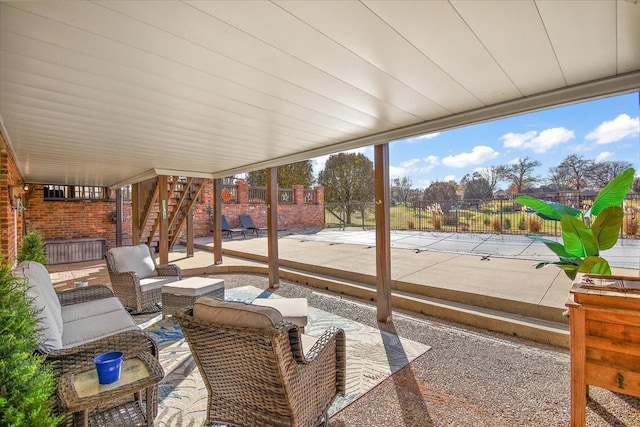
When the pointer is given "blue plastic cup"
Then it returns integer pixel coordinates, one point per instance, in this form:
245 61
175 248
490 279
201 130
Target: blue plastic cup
108 366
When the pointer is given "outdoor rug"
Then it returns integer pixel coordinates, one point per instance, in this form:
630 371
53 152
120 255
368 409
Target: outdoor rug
372 355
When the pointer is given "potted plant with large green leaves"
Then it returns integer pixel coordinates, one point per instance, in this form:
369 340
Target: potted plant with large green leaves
584 236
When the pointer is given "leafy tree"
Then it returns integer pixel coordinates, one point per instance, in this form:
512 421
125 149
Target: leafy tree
402 188
443 193
347 178
520 174
477 188
576 170
491 174
26 383
288 175
33 248
601 173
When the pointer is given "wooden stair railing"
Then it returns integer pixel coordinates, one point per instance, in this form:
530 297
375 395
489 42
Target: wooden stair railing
151 238
183 193
192 190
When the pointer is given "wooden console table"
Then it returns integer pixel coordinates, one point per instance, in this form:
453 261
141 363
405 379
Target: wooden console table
80 391
604 316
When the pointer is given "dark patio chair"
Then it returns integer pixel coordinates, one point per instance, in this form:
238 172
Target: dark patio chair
247 222
229 230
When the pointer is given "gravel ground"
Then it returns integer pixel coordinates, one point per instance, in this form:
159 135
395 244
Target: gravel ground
470 377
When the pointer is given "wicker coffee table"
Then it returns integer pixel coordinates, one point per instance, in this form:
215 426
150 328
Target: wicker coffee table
183 293
81 391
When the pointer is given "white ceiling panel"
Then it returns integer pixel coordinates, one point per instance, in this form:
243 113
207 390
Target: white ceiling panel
102 93
628 36
515 36
575 27
426 24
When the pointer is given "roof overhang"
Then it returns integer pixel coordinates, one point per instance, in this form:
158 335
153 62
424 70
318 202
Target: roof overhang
110 92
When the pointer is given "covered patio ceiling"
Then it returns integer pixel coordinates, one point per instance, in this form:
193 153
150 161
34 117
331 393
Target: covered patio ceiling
111 92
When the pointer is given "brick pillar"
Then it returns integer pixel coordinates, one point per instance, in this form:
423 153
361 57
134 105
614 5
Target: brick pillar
319 195
298 194
243 192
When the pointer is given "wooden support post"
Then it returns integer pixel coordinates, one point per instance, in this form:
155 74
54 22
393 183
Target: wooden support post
579 385
383 234
216 216
135 213
163 199
272 228
119 217
190 233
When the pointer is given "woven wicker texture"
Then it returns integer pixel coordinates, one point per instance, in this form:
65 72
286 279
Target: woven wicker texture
126 285
80 358
259 377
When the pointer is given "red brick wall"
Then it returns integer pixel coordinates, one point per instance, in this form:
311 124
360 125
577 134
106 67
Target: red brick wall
10 216
78 219
75 219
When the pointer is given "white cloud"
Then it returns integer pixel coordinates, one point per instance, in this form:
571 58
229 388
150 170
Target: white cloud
408 167
419 138
537 142
514 161
479 154
449 178
432 160
614 130
604 156
423 183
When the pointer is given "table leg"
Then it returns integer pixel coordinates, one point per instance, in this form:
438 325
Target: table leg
81 418
149 406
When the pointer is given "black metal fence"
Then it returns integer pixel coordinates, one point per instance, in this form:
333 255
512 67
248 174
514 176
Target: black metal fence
502 216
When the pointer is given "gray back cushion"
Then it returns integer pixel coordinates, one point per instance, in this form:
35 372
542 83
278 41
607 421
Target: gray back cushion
134 258
45 300
236 314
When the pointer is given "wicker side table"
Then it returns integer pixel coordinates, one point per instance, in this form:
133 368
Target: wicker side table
183 293
81 391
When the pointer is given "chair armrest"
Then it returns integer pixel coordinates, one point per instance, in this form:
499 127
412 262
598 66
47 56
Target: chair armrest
89 293
169 270
80 357
325 369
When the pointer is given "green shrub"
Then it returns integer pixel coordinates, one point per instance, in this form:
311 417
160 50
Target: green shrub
522 224
507 224
26 384
33 249
486 221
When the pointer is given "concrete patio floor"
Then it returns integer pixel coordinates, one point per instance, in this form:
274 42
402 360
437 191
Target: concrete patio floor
469 377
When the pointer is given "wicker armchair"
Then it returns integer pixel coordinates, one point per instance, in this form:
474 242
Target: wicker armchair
135 277
253 365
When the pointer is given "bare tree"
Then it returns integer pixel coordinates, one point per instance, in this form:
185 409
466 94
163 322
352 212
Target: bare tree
575 170
601 173
556 179
402 187
519 174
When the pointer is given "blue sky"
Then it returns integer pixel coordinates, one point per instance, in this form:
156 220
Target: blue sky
604 129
